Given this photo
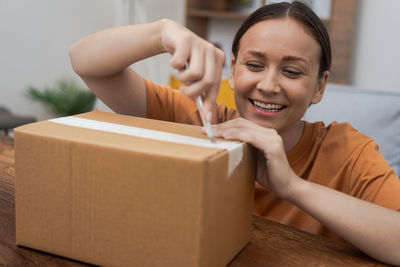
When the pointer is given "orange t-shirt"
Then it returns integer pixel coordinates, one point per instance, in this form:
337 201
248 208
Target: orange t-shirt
336 156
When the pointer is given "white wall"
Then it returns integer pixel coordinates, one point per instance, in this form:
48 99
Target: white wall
36 35
141 11
376 54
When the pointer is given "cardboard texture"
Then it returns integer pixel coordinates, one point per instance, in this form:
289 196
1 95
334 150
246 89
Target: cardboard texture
116 200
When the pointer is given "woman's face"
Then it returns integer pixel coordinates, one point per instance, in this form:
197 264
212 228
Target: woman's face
275 74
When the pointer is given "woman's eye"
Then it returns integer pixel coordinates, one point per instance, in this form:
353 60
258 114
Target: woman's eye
254 66
292 73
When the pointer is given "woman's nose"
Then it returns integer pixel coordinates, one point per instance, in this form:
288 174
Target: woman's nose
269 82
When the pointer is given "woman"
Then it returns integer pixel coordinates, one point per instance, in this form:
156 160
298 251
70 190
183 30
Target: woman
310 176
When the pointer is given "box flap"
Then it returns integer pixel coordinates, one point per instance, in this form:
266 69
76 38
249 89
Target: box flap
144 135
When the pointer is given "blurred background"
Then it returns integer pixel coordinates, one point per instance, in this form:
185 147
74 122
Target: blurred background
35 37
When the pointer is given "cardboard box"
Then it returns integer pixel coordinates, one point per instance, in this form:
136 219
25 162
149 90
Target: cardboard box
101 195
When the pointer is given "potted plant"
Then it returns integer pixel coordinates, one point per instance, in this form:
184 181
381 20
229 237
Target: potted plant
65 98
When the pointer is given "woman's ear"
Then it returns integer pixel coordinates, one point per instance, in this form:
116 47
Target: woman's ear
320 88
232 73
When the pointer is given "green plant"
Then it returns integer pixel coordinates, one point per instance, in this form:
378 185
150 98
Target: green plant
66 98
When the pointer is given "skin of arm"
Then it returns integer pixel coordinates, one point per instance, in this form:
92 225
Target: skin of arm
103 61
373 229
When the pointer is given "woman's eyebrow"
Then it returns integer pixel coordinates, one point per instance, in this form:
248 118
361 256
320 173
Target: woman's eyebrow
295 58
256 54
261 55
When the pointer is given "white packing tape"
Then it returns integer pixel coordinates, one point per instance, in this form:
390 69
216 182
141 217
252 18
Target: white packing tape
235 149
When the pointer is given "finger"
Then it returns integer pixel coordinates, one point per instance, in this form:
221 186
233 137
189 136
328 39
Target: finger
228 128
260 141
234 134
213 72
183 88
238 124
207 64
195 70
191 90
210 105
244 124
220 129
208 85
180 55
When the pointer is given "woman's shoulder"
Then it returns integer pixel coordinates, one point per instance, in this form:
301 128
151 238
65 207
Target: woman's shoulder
341 133
339 141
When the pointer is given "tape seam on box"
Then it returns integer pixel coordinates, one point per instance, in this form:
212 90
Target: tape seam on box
235 149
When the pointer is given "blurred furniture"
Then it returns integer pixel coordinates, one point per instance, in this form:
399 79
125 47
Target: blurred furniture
272 244
9 120
372 112
340 26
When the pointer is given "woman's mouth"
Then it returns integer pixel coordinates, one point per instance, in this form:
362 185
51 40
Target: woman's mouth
267 107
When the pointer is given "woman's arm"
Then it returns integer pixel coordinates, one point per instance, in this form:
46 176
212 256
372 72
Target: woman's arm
373 229
102 60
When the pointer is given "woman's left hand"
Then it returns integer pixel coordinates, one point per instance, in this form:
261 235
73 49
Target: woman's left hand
273 169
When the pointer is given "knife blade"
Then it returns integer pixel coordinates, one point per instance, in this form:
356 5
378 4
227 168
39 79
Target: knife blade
205 122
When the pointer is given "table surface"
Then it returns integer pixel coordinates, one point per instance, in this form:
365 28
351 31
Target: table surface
272 244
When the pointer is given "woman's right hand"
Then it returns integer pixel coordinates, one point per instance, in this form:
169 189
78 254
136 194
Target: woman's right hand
103 61
205 63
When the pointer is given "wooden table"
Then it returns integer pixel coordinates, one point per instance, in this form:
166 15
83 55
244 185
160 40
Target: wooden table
272 244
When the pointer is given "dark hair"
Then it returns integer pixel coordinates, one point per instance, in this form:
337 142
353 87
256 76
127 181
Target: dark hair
301 13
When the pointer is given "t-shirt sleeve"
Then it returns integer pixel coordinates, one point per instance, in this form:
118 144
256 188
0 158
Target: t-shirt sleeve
165 103
373 180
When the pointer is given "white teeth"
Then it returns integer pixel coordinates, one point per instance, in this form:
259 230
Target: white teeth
268 107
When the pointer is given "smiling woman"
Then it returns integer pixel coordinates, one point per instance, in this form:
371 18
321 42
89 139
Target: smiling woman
278 67
330 180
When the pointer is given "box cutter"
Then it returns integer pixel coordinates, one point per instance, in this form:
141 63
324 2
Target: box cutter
206 123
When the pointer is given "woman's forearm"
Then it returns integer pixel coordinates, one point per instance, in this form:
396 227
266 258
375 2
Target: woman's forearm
102 60
373 229
110 51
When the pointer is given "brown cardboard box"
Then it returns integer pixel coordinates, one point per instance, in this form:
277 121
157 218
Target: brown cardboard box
113 199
